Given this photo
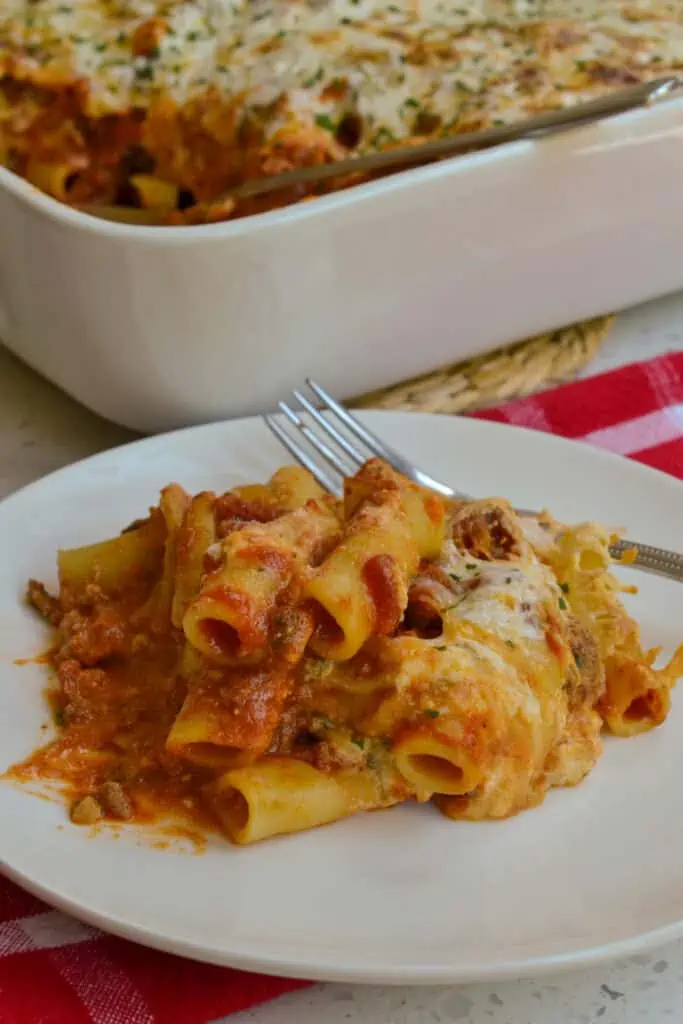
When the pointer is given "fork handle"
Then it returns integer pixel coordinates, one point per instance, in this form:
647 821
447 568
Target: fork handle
651 559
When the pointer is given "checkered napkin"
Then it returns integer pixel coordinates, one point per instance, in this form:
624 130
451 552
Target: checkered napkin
54 970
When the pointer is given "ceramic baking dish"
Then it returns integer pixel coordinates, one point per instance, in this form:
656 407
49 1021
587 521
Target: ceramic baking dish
161 327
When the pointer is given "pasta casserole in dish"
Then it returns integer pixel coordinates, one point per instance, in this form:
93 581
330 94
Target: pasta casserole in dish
167 104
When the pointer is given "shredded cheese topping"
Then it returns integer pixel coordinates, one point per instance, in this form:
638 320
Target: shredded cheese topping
372 71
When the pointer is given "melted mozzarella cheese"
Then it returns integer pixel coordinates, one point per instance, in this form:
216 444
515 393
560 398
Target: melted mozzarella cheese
500 597
400 66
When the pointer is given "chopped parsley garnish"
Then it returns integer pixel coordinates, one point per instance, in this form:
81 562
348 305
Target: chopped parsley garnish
60 718
145 73
314 79
470 565
431 713
411 102
383 136
325 121
454 576
564 587
359 741
510 643
578 660
562 603
441 647
192 37
508 579
316 667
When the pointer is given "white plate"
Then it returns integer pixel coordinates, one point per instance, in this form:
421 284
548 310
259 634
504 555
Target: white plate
399 896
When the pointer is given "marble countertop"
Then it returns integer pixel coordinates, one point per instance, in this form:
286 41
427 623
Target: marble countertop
42 429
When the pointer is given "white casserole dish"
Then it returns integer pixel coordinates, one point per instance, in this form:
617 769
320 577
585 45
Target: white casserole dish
156 328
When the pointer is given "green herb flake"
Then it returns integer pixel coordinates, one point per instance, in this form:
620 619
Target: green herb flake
563 604
564 587
314 79
60 718
316 668
382 137
431 713
578 660
192 37
508 579
325 121
470 565
411 102
359 741
510 643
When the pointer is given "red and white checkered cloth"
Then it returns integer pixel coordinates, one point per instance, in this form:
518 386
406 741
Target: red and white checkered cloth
54 970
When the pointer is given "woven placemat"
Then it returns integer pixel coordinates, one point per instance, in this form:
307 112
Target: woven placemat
532 365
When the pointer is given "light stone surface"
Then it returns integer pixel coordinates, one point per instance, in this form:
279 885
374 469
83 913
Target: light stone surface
41 430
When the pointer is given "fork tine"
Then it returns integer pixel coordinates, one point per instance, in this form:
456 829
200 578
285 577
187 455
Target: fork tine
354 425
325 481
314 440
338 438
399 462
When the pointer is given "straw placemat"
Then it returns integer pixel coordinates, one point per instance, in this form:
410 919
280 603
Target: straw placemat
512 372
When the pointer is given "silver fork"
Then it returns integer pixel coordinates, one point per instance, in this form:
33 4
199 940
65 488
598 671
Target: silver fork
342 457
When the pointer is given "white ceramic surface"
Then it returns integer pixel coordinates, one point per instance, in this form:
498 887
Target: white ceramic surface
158 328
401 896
